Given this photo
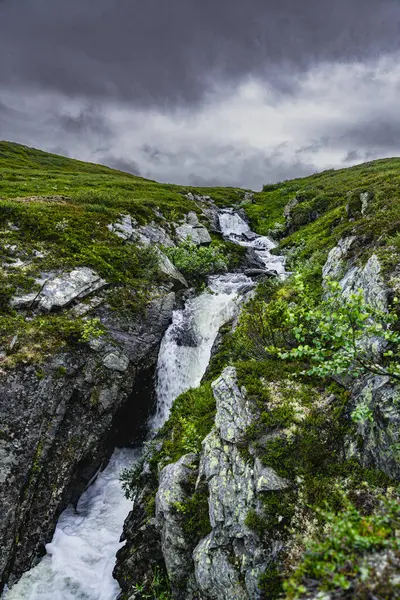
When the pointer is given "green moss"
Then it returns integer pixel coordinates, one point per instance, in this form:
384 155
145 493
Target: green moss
61 207
195 515
191 419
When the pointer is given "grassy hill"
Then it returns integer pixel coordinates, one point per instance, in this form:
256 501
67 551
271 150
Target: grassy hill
54 213
60 208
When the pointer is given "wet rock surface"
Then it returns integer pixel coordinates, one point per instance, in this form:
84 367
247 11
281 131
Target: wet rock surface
226 563
60 422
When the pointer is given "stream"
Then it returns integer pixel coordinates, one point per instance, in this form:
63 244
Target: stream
80 559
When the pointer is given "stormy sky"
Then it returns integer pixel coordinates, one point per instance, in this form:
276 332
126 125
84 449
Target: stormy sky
218 92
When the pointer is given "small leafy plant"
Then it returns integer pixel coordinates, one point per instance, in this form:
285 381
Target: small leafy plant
348 555
341 335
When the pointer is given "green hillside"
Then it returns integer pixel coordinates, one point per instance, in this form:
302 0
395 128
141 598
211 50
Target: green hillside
60 208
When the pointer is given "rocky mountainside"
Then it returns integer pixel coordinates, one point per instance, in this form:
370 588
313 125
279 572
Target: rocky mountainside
278 476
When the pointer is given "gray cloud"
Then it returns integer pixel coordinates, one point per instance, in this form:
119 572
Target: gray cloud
221 92
168 52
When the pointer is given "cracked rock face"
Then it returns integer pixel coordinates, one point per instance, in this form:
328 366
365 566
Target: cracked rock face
176 548
381 436
226 563
57 428
233 413
126 228
353 278
170 271
229 561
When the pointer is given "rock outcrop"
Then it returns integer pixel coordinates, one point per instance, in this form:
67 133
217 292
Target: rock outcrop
378 436
195 233
128 229
60 291
225 564
59 423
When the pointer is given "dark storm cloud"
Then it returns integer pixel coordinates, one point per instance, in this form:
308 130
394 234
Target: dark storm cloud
167 52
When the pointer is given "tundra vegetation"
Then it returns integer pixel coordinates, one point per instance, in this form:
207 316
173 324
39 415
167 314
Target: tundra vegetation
298 348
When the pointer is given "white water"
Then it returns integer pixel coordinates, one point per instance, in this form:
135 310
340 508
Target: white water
81 557
233 227
186 347
231 223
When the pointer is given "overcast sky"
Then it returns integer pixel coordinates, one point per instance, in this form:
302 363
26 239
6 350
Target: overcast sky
219 92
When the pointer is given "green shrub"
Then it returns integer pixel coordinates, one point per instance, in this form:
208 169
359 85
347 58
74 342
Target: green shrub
346 557
196 262
334 335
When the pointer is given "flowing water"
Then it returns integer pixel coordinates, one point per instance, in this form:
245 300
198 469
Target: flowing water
235 228
81 557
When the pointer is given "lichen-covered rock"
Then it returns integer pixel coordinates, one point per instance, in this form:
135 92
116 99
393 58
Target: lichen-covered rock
379 436
230 560
216 575
336 263
197 234
124 228
368 279
127 229
116 361
233 412
352 278
153 234
174 484
167 268
192 219
60 291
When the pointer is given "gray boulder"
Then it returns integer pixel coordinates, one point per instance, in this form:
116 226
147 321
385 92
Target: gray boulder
233 411
153 234
352 278
60 291
192 219
127 229
336 263
378 438
124 228
198 235
368 279
168 269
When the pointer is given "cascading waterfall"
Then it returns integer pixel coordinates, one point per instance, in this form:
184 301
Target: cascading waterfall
81 557
186 347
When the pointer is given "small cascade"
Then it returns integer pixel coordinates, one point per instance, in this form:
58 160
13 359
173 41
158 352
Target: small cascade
81 557
234 228
231 223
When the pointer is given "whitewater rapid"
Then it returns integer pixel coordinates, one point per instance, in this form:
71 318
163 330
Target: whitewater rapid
80 559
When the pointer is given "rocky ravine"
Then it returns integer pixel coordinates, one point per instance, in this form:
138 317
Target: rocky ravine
226 564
